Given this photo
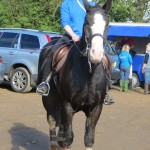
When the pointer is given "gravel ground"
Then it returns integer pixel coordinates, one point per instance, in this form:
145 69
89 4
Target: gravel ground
125 125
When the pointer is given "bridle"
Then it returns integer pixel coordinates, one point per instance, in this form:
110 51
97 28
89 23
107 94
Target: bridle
97 34
88 44
86 51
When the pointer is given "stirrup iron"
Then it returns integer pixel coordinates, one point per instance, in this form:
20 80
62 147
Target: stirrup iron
40 91
46 84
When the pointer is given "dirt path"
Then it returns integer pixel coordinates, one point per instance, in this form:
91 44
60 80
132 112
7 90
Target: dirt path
124 125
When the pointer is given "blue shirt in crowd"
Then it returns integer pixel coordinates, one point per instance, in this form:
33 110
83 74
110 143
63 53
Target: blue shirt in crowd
125 59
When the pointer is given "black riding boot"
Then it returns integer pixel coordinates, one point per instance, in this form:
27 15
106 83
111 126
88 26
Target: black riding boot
44 73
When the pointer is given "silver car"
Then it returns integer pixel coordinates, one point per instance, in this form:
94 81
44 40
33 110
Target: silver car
20 49
1 70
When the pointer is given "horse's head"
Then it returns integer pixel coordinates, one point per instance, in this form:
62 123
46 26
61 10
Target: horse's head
95 29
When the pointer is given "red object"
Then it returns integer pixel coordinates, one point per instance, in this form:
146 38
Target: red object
48 38
128 41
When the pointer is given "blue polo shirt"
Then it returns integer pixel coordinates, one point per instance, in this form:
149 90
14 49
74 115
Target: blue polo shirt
73 14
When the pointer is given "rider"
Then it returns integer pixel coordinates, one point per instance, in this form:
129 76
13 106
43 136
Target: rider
72 19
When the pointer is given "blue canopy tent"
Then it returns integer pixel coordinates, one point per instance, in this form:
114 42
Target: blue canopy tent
129 29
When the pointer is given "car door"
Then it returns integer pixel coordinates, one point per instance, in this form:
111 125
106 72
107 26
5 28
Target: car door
1 69
8 48
29 51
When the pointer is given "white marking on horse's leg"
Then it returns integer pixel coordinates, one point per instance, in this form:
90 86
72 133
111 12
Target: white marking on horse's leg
88 148
97 50
53 145
51 122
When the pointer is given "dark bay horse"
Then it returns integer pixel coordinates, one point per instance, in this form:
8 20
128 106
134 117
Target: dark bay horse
80 84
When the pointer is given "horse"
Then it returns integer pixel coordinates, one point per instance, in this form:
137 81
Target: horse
80 84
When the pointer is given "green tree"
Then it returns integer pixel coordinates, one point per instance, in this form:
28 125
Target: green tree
129 10
45 15
30 14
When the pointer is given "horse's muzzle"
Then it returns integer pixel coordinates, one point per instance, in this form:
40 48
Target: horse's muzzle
96 56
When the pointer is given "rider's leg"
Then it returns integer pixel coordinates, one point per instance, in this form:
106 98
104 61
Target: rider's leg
43 88
126 82
108 98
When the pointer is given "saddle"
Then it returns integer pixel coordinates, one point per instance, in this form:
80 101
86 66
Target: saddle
60 57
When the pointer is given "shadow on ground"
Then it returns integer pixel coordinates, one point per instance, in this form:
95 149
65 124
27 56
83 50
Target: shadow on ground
27 138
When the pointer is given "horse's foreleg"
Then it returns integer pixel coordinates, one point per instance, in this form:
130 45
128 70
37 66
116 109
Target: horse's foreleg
52 106
53 145
66 127
91 121
53 121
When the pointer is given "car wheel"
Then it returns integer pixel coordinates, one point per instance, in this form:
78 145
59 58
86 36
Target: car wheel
135 80
20 80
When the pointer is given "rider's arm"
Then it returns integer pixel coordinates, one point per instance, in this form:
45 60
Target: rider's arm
71 33
146 58
145 62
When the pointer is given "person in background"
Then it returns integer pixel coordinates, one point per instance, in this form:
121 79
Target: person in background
113 45
125 64
146 70
118 48
131 43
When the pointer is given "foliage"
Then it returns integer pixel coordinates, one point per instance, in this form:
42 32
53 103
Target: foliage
30 14
129 11
44 15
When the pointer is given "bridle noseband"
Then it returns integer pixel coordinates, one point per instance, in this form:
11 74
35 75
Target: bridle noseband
88 43
97 34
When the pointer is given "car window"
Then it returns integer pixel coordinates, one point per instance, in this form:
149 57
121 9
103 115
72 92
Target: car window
0 34
29 42
8 39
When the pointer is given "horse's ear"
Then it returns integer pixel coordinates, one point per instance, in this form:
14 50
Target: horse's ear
87 5
107 5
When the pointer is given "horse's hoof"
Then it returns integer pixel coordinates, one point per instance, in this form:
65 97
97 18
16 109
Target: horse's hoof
88 148
55 147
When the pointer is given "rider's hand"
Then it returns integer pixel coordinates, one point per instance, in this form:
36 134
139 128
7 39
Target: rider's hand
75 38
